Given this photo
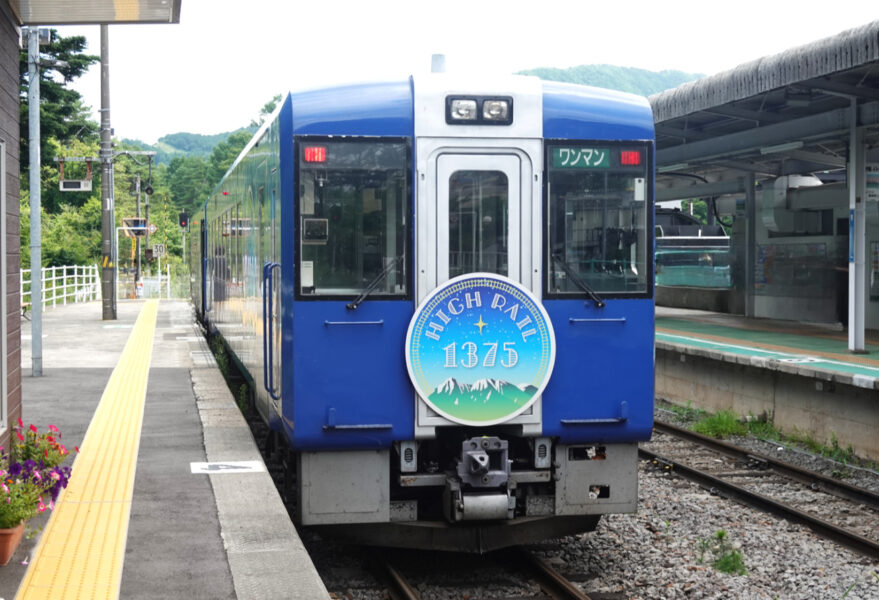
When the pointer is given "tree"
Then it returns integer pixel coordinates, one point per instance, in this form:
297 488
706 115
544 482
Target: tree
62 113
189 181
225 153
267 109
73 236
700 209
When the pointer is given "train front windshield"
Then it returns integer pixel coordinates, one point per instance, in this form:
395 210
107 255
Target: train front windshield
598 218
353 201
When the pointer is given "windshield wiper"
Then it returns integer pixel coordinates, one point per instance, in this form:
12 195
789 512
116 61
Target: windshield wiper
373 284
599 303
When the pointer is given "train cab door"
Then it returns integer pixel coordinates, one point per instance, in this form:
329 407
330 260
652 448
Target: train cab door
271 297
479 212
275 334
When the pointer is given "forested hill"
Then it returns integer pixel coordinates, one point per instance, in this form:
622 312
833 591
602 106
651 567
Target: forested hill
623 79
184 144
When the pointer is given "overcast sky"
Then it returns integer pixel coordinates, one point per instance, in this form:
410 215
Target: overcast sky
214 70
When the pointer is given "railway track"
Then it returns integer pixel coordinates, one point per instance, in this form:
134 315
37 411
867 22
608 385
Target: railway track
513 574
833 509
540 579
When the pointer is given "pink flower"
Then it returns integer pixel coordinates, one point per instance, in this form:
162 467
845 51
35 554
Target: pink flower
33 428
55 475
63 450
54 429
20 437
76 448
4 487
20 422
41 507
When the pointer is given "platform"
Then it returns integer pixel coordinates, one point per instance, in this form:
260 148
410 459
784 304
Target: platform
801 374
809 349
156 506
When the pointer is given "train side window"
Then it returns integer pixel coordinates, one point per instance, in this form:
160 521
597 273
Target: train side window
599 218
352 230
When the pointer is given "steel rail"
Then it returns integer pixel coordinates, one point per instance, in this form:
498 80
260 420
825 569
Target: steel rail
549 580
810 478
828 530
398 587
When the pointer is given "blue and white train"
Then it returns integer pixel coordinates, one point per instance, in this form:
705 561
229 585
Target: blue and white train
442 290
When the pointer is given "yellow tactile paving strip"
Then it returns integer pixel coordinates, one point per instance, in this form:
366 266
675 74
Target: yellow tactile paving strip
81 551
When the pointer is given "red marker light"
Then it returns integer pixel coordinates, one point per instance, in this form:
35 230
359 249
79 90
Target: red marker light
630 158
315 154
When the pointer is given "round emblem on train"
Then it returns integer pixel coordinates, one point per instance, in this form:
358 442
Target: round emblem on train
480 349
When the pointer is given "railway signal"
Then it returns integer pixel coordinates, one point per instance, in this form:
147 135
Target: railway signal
184 220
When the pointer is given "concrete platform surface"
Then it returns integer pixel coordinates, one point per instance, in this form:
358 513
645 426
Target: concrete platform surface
807 349
190 535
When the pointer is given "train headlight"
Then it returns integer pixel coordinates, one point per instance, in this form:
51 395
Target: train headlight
462 109
479 110
496 110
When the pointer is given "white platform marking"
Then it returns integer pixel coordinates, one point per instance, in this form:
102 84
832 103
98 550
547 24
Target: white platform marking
232 466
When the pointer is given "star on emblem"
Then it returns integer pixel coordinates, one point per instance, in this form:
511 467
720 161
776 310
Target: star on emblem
480 324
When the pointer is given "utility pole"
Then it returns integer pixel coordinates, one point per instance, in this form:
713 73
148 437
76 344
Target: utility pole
147 192
108 220
136 236
33 108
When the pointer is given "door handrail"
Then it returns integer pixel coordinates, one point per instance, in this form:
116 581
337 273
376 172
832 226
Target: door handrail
268 329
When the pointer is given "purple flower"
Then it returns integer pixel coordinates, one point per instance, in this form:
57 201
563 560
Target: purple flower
59 476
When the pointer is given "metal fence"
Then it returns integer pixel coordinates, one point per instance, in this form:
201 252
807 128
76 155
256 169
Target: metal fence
150 285
63 285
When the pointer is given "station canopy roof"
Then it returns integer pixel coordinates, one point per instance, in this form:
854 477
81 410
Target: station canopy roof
779 115
91 12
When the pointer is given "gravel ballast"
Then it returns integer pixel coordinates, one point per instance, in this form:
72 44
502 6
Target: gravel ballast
657 552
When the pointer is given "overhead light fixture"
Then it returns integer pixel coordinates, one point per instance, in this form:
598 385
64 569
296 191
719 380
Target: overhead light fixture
782 147
669 168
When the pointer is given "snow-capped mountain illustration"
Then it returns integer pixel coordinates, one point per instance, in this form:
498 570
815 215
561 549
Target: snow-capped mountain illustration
483 395
451 386
490 384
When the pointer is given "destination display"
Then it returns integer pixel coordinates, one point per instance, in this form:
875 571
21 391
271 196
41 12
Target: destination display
580 158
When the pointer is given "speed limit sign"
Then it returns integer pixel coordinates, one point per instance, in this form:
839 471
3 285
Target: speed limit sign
158 250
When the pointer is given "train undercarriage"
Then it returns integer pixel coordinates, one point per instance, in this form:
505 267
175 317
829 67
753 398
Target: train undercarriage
493 492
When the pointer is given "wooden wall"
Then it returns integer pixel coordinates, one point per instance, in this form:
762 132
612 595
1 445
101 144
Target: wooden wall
9 132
